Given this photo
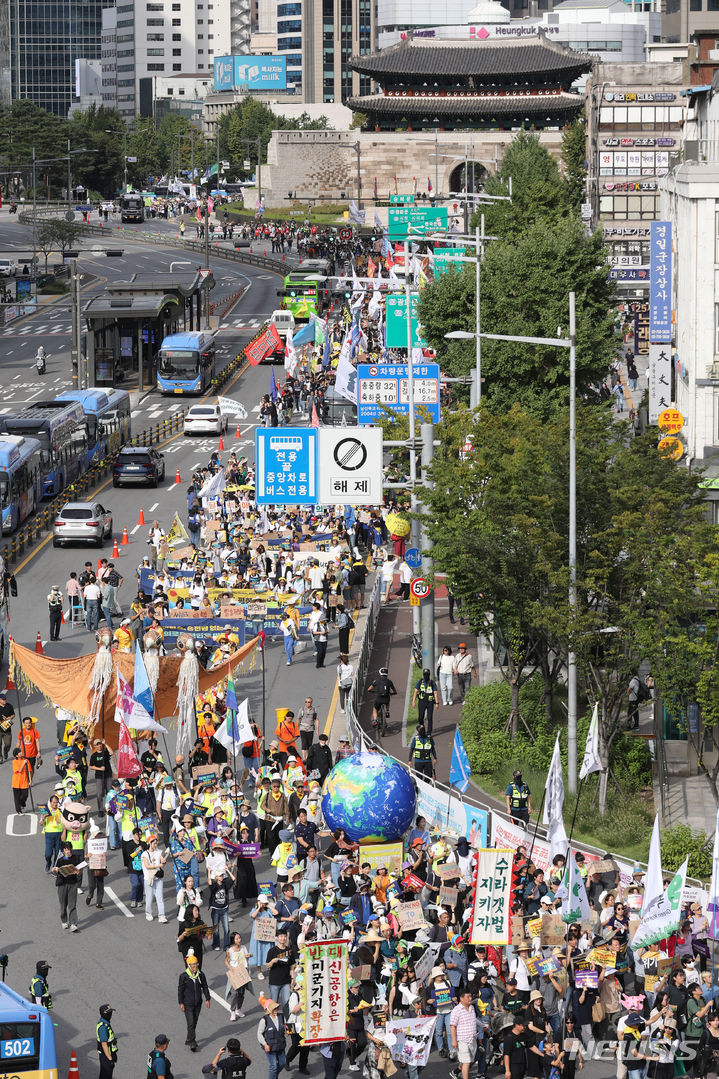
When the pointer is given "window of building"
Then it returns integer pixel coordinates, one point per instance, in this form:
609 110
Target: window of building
695 5
716 237
181 91
155 67
155 22
154 7
177 52
177 37
176 7
177 22
155 37
155 52
177 67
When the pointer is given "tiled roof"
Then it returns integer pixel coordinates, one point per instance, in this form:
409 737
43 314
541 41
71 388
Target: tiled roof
545 104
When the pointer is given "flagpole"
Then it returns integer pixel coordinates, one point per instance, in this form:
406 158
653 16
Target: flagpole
574 816
536 829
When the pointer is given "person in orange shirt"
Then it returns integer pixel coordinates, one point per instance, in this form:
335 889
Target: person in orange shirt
288 732
28 742
20 779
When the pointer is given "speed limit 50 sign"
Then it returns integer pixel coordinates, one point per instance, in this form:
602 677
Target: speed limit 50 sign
420 587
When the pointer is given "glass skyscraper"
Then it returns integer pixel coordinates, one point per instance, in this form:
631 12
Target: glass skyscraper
39 43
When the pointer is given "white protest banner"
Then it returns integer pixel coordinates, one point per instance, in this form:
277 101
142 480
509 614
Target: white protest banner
426 961
444 813
325 991
230 407
662 916
489 920
389 855
98 845
413 1039
506 834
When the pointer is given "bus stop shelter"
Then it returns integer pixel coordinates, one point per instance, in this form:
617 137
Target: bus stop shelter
126 324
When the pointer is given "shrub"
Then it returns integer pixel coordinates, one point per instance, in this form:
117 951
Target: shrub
678 843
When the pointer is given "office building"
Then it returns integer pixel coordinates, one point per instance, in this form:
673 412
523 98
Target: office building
108 58
333 32
40 40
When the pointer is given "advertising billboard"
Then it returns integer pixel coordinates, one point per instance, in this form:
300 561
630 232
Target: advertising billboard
223 72
261 72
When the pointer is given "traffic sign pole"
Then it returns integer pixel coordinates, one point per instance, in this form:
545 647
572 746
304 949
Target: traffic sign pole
426 610
416 627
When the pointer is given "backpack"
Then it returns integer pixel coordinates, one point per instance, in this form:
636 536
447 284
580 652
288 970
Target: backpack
643 693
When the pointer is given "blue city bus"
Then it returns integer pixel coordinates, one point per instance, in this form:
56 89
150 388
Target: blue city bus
61 429
186 363
27 1038
21 479
95 403
119 414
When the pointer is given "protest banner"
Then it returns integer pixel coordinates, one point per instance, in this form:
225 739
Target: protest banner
489 919
265 928
248 850
325 991
534 926
362 974
517 935
411 883
447 872
603 957
348 917
448 895
206 771
548 966
447 814
205 629
604 865
553 930
231 611
238 976
410 915
389 855
413 1039
97 852
426 961
586 979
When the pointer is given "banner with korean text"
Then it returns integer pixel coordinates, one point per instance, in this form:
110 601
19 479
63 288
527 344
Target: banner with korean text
412 1039
325 991
489 922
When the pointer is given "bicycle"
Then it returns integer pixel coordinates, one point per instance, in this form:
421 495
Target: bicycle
380 723
416 650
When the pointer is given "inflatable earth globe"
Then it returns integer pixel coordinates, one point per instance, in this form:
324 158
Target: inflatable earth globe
371 797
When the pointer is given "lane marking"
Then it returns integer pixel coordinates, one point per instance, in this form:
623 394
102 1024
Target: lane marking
10 824
153 508
118 902
172 487
219 999
134 530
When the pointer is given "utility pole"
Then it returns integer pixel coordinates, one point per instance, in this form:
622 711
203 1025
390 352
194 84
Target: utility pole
34 220
124 159
478 320
69 181
426 608
207 262
217 134
358 150
571 657
259 169
193 178
436 163
75 347
412 426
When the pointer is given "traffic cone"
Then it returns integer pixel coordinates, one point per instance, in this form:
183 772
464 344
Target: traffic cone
141 518
237 432
38 645
221 445
177 476
73 1071
99 563
125 541
62 618
115 552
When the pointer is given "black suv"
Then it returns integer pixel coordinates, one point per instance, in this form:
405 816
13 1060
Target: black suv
138 465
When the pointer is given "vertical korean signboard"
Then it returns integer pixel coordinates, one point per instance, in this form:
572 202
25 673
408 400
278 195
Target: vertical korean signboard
660 286
489 923
660 380
325 991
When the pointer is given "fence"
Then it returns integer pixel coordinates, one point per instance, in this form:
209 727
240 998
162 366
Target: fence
496 822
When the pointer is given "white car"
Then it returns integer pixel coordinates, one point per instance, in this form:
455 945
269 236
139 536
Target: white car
7 268
204 420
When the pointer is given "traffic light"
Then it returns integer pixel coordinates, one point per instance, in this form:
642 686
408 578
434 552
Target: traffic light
114 253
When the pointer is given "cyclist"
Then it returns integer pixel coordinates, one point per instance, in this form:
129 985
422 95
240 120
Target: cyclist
383 687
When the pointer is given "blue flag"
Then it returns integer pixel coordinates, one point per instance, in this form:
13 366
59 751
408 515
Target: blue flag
230 696
459 769
349 516
273 385
327 349
141 685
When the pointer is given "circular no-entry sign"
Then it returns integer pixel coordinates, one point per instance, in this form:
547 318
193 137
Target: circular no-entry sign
420 587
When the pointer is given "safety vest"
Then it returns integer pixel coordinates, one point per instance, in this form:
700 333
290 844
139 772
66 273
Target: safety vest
77 840
52 821
110 1039
425 691
72 784
422 749
39 988
519 796
154 1055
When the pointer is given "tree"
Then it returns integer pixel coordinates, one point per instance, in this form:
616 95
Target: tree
525 286
250 119
98 130
574 161
56 233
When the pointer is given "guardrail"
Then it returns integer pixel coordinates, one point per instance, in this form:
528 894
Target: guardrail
360 739
154 435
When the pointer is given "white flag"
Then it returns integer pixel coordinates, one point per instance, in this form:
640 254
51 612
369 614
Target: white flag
346 374
394 281
214 486
575 902
229 407
653 881
591 762
242 729
378 221
130 711
554 803
290 354
355 215
662 917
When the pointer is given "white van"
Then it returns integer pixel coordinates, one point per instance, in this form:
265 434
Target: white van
7 268
283 321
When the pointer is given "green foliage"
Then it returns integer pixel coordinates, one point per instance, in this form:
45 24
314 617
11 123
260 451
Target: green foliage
249 120
537 194
574 157
678 843
57 234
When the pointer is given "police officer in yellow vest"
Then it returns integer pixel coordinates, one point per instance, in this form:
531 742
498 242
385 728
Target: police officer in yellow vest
425 697
106 1042
422 754
519 803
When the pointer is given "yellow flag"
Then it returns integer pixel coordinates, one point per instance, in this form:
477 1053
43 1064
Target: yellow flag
177 533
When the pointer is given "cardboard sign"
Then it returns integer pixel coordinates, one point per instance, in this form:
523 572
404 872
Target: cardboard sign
361 974
203 771
448 895
517 930
603 957
447 872
232 611
605 865
265 928
97 861
238 976
97 845
410 916
185 856
553 930
586 979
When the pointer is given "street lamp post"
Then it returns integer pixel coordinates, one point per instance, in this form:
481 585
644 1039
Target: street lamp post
568 343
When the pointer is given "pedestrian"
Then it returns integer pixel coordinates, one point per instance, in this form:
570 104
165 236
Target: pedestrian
289 633
55 605
20 782
405 576
158 1066
296 1026
425 697
271 1036
219 906
519 799
39 988
92 595
307 723
345 676
7 717
100 764
52 829
153 861
319 635
106 1042
464 669
345 623
463 1031
389 567
515 1049
422 752
319 758
67 879
191 988
232 1066
236 958
618 392
445 673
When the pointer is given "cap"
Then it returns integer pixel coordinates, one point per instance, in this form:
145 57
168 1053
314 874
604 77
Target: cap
106 1009
263 899
511 981
161 1039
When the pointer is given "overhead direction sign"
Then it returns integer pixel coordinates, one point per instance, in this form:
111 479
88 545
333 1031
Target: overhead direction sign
385 385
396 321
410 222
350 466
286 465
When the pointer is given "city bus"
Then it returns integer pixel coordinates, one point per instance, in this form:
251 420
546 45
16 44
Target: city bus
118 416
303 295
27 1038
21 479
186 363
108 418
61 430
132 207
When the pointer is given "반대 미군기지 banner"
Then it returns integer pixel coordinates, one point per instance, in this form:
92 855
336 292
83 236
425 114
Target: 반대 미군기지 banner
325 991
489 923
